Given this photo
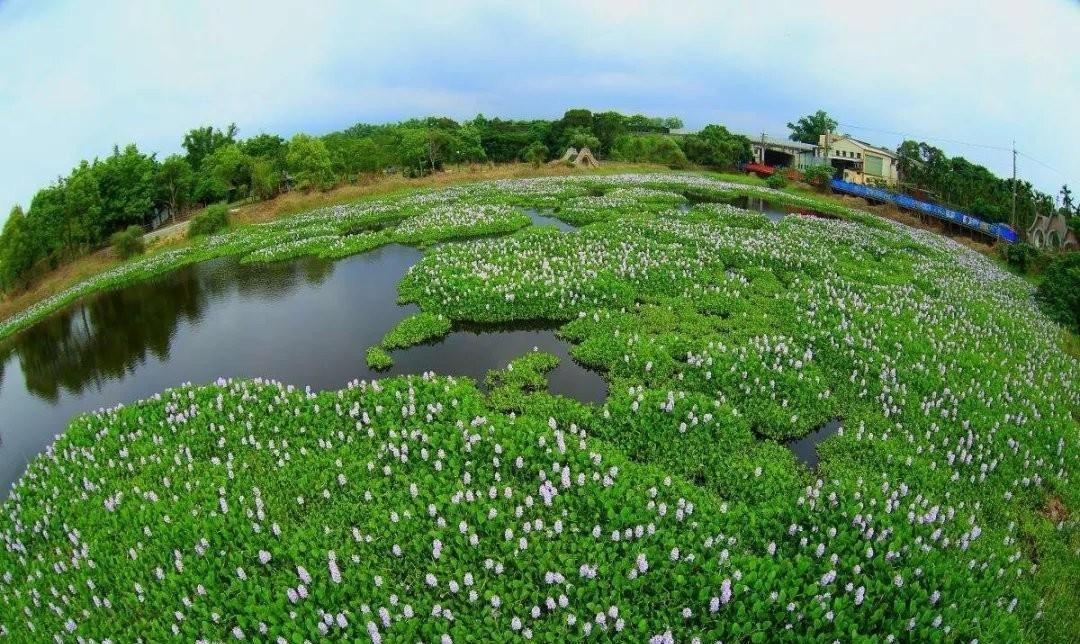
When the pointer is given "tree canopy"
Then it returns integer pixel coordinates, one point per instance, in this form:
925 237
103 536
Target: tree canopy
958 183
809 128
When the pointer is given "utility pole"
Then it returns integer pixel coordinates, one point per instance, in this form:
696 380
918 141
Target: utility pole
1014 186
828 163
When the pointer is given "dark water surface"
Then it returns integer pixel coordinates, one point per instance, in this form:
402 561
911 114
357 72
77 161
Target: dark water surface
546 218
306 322
774 211
805 448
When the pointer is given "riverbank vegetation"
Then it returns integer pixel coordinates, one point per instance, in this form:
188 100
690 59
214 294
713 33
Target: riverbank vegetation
80 211
943 508
418 218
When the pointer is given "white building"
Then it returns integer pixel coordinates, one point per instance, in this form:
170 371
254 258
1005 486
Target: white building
860 162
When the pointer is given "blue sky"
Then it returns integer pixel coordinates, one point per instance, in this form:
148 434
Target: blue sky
77 77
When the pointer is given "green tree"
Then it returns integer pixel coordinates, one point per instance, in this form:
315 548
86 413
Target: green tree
264 178
536 153
809 128
574 118
579 137
649 148
673 123
18 252
1059 291
175 181
608 126
49 230
269 147
82 208
504 141
716 147
126 181
201 142
225 174
308 161
1066 200
928 173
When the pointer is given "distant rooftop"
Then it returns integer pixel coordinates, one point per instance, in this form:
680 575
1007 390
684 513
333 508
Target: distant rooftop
779 142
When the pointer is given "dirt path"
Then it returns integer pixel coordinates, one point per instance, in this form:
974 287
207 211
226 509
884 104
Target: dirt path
178 228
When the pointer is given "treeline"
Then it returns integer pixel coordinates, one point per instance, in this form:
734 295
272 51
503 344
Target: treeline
80 211
966 186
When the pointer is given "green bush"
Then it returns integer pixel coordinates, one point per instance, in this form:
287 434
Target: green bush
777 179
1059 291
1021 257
818 175
535 154
649 148
211 220
128 242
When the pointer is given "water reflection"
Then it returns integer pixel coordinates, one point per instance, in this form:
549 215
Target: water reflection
306 322
547 218
774 211
471 350
112 332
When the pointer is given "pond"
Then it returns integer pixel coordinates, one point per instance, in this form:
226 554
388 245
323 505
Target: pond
546 218
774 211
805 448
306 322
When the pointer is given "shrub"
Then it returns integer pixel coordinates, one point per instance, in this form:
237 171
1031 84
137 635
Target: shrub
649 148
1059 291
1021 256
818 176
535 154
776 180
129 242
211 220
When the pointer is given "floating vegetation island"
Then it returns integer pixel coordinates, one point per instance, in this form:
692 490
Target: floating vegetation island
423 508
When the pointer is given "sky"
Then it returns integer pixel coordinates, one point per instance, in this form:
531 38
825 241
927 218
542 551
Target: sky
78 77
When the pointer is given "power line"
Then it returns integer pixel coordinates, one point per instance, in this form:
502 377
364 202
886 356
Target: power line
1045 165
958 142
929 138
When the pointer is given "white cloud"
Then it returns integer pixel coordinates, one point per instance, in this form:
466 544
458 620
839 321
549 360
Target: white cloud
77 78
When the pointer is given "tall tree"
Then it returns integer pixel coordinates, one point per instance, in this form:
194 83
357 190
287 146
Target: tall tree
308 160
127 188
266 146
809 128
715 146
17 249
1066 200
200 142
579 137
82 208
264 178
608 126
175 180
